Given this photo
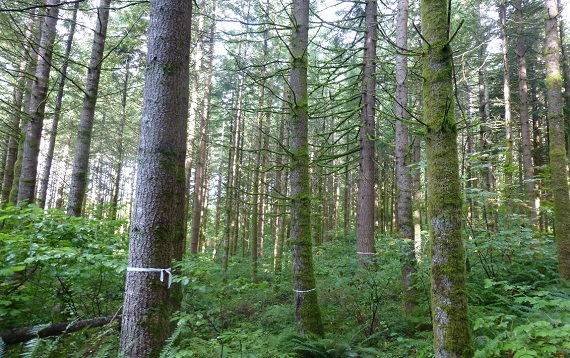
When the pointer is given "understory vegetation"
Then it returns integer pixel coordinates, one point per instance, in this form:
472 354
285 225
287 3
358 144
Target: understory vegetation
57 268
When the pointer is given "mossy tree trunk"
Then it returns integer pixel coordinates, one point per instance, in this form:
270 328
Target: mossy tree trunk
559 174
79 173
452 337
307 312
367 179
31 150
160 180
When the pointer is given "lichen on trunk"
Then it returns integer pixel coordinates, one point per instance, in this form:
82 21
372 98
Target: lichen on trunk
452 336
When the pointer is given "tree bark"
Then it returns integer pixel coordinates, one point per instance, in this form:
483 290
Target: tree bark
524 113
558 172
451 326
307 312
508 165
31 150
403 174
160 180
366 191
44 180
79 174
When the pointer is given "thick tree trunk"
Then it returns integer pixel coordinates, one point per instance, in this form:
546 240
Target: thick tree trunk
307 312
44 180
559 173
31 151
160 181
366 182
79 174
452 338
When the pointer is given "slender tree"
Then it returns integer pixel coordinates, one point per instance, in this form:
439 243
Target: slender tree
452 337
44 181
78 186
200 176
404 182
307 310
145 324
366 191
31 151
524 111
559 173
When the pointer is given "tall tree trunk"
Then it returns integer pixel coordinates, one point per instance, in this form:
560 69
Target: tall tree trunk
524 113
452 337
120 140
31 151
200 176
255 239
404 178
367 179
14 139
44 180
198 56
558 173
279 192
160 182
566 72
508 165
31 67
79 174
307 312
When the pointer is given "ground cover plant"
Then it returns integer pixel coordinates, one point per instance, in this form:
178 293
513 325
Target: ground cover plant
58 268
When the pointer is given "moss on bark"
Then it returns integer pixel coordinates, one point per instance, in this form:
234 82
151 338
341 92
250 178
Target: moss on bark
452 336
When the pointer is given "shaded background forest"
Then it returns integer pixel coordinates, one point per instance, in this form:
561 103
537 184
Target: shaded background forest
61 268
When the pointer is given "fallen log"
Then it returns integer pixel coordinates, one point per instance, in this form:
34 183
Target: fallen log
24 334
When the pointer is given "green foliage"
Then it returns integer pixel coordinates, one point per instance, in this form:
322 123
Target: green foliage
57 268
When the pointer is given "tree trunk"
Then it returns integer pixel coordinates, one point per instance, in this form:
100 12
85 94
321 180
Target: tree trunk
44 180
508 165
24 334
451 326
403 174
120 149
79 174
558 172
367 179
200 176
307 312
256 214
160 180
31 151
524 113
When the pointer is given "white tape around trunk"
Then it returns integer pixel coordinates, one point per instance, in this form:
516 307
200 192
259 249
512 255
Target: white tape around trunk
304 291
168 271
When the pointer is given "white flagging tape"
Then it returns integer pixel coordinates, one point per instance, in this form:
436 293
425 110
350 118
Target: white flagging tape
304 291
168 271
366 253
